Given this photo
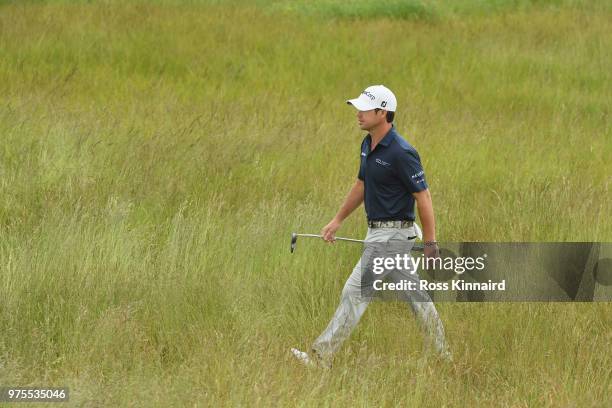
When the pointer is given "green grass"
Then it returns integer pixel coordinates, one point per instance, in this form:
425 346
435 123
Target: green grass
154 158
424 9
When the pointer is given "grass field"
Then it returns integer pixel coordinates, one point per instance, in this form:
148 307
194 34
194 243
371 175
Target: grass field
155 156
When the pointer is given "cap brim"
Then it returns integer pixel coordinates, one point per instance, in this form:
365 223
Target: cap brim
360 104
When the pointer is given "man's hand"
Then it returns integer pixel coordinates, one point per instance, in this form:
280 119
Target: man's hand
431 251
329 231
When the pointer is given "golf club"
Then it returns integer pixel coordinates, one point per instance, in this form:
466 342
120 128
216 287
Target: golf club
294 237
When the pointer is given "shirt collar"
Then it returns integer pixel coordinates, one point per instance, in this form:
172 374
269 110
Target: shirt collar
386 139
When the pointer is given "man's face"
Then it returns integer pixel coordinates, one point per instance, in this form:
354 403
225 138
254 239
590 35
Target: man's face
370 119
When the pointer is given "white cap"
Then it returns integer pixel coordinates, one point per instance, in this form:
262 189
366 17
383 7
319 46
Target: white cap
375 96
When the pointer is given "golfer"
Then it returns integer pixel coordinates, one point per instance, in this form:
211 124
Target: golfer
390 180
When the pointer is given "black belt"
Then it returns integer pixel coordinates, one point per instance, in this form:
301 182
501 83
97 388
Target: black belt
390 224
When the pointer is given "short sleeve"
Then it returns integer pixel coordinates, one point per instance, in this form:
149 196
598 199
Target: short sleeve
411 171
361 173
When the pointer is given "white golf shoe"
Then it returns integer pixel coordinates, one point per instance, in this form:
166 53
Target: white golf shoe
303 357
311 361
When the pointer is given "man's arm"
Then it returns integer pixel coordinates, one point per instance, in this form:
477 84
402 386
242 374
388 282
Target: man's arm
352 201
426 215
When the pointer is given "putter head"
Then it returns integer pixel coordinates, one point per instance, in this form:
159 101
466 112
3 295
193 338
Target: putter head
294 238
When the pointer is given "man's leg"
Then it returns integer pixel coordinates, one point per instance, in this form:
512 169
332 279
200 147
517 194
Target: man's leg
429 320
423 308
353 303
351 308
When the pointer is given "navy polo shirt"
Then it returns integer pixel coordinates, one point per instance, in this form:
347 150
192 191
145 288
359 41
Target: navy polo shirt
391 173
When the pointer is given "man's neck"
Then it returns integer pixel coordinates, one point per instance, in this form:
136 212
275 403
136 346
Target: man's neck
379 132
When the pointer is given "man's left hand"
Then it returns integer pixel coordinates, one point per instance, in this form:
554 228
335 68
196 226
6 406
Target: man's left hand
431 250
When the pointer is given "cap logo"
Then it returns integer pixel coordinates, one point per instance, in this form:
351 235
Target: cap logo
368 94
383 103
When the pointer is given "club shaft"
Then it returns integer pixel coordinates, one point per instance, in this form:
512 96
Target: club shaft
336 238
414 248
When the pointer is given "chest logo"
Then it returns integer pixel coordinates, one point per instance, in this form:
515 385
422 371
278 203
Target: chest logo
382 162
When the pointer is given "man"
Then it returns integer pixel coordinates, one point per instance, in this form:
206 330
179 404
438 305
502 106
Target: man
390 181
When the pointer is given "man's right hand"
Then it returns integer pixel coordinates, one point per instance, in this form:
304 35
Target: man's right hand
329 231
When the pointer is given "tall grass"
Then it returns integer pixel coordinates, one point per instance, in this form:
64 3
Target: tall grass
154 158
426 10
